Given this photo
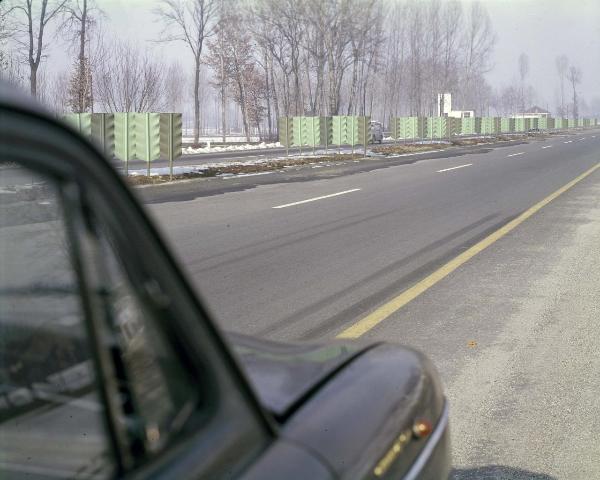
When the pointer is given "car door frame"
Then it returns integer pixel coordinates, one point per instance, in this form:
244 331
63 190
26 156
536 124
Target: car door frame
33 138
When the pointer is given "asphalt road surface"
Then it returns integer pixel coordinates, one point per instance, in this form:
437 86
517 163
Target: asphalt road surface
511 325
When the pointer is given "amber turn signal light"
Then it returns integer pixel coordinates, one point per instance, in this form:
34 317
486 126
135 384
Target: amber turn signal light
422 428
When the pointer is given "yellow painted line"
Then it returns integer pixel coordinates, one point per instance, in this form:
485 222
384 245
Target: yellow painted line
380 314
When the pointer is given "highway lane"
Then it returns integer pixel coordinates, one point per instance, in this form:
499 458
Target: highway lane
513 331
309 270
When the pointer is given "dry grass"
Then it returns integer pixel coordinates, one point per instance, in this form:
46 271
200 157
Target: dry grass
408 148
237 169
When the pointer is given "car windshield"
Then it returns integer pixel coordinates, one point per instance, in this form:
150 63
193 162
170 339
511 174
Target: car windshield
419 172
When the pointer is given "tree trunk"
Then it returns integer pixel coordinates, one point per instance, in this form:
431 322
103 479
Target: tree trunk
83 86
223 101
33 79
354 81
274 92
268 96
333 105
242 97
197 102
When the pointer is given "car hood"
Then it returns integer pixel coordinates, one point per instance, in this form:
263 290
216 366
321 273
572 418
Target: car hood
284 375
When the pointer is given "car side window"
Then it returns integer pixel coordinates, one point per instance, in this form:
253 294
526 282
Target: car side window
157 397
51 417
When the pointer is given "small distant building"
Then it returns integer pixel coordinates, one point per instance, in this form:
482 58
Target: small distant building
533 112
444 108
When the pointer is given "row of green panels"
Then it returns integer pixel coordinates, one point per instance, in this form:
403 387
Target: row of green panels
446 127
131 136
324 131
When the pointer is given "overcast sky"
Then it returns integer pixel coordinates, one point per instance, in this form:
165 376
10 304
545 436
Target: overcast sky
542 29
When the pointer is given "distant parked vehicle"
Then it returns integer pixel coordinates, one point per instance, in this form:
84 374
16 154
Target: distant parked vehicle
377 132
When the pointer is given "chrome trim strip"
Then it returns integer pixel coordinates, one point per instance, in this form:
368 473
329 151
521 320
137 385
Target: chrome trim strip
427 451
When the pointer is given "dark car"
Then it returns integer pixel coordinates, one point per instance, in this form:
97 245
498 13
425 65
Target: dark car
377 132
111 367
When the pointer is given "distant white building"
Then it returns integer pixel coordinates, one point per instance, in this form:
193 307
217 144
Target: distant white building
444 108
533 112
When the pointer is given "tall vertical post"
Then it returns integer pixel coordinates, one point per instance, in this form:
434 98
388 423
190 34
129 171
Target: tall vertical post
340 136
287 136
312 121
326 129
147 118
126 138
103 131
365 134
170 143
301 133
352 129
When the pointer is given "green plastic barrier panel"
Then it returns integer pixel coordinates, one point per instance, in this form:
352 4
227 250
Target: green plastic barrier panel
490 125
305 131
409 128
311 131
362 131
522 124
559 123
285 129
82 122
125 137
507 125
454 126
571 123
343 130
147 138
351 130
534 123
437 127
171 137
297 128
326 132
471 126
542 123
103 132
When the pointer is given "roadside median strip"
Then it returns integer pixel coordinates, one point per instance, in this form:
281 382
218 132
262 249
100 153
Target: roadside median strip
369 322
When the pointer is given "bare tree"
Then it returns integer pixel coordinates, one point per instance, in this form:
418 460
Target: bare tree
451 22
81 17
479 43
31 19
58 94
562 64
80 89
174 87
129 81
574 78
192 23
523 71
232 54
10 67
218 63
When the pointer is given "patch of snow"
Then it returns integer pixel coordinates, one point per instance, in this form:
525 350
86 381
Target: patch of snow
231 148
231 175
